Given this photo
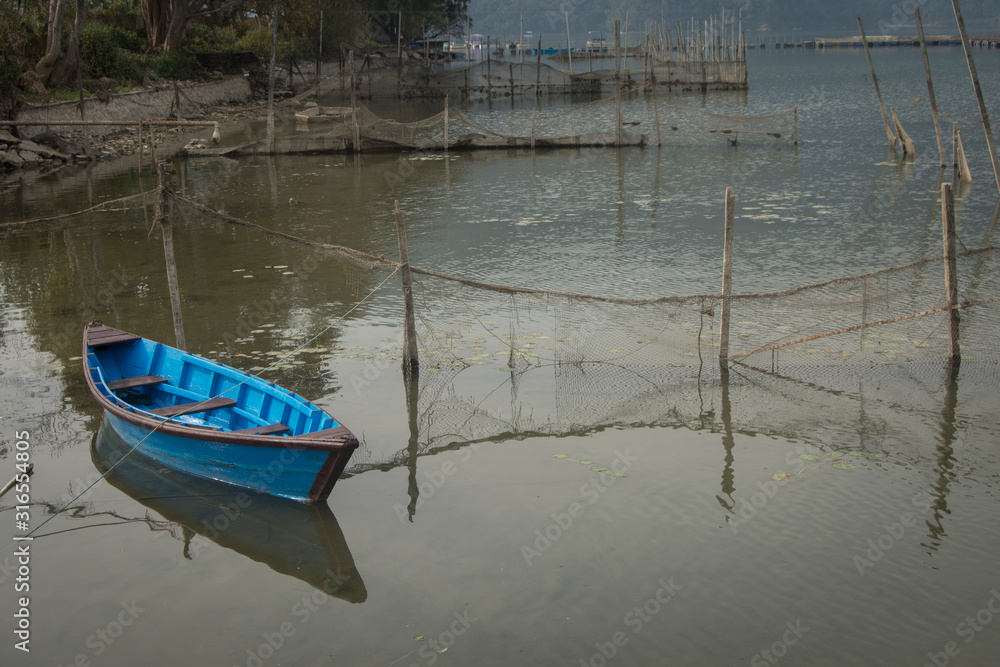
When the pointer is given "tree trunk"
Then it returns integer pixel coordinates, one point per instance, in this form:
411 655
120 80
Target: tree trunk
179 16
67 66
155 15
54 41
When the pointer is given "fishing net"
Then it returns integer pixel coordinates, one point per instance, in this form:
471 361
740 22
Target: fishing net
662 115
500 78
606 362
847 362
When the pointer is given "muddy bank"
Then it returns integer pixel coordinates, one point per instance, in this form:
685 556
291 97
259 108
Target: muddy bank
223 100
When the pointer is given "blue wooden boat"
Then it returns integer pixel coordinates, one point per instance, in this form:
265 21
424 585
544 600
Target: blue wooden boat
213 421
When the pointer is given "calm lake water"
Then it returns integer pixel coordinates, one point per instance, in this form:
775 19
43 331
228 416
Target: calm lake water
664 541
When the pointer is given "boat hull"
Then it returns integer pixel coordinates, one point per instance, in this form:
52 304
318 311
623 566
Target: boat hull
279 471
213 421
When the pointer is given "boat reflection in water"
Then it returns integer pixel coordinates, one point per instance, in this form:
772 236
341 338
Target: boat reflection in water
296 539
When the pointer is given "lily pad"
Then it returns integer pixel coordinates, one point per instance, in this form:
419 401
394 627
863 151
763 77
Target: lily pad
779 476
619 474
598 468
418 638
560 456
586 462
843 465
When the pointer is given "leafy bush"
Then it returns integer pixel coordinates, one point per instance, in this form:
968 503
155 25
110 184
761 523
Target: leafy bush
10 72
173 65
105 53
258 40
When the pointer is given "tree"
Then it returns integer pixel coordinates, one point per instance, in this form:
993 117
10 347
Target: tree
56 67
167 20
53 44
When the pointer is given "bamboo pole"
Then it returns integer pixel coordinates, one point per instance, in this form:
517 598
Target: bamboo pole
985 118
950 272
727 281
489 73
115 123
533 128
569 47
878 92
538 70
356 131
618 88
446 105
961 164
904 139
269 137
319 55
10 485
930 88
411 359
162 215
656 113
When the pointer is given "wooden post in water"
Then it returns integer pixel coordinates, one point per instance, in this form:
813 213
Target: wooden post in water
319 56
355 129
984 117
489 74
904 139
950 272
569 47
656 113
878 91
961 164
269 137
727 281
163 217
930 88
411 360
795 125
618 85
533 128
446 123
538 70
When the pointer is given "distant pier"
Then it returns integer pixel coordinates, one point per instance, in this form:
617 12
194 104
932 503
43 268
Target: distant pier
980 41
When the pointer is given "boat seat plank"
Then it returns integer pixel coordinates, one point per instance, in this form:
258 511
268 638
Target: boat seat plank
264 429
98 339
135 382
327 434
193 408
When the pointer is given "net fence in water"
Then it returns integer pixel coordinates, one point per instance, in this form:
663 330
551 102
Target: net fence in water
664 118
618 362
501 78
845 361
